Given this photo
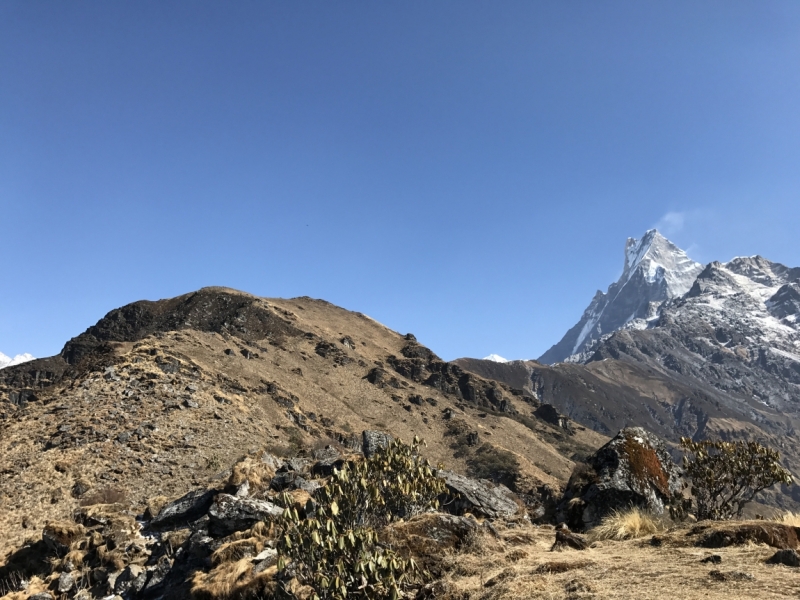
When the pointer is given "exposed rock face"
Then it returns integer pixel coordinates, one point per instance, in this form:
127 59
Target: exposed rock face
655 270
371 441
633 469
479 497
229 513
184 509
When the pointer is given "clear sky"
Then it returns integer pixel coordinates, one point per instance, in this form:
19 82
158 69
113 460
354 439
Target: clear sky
466 171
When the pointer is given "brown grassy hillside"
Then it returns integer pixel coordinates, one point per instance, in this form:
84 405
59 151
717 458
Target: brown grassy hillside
160 397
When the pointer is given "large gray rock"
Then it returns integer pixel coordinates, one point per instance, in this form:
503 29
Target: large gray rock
371 441
185 509
229 514
634 469
479 497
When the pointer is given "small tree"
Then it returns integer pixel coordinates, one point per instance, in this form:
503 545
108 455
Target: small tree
727 475
335 550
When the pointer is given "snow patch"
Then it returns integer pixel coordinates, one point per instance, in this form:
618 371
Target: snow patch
496 358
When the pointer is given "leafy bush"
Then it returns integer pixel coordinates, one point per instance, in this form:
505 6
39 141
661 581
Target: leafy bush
627 525
727 475
335 549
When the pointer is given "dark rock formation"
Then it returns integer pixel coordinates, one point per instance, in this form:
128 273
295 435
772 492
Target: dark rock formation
633 469
372 440
479 497
185 509
787 556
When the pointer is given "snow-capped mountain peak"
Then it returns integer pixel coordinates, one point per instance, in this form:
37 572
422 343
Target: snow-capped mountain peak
655 270
7 361
495 358
657 258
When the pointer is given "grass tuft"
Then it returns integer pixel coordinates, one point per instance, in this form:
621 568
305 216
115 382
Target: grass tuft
627 525
789 518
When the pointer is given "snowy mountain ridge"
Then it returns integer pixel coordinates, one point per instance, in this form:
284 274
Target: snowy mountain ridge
655 270
7 361
496 358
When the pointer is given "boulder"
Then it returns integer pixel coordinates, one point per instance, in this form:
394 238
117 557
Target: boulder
565 539
132 579
787 557
372 440
328 459
187 508
229 514
479 497
634 469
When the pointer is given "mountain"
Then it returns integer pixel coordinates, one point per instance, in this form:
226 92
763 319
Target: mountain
6 361
496 358
160 397
712 352
655 270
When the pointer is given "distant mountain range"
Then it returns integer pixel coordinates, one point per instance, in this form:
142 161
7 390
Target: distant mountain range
6 361
681 349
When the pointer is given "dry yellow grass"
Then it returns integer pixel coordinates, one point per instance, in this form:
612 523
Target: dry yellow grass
789 518
610 570
627 525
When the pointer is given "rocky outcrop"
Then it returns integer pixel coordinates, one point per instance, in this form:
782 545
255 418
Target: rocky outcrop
229 513
479 497
371 441
185 509
634 469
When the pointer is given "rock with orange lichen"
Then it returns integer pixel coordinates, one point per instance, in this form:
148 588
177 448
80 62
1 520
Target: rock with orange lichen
634 469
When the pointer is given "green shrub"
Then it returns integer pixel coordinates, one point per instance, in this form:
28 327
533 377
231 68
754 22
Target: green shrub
335 550
727 475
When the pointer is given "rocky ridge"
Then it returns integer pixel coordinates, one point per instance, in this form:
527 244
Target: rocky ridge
158 397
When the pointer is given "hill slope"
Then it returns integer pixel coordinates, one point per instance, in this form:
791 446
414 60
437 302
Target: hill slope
159 397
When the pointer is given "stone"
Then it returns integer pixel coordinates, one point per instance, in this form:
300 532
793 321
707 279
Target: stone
264 560
229 514
566 539
185 509
371 441
787 556
633 469
158 573
132 579
66 581
714 559
41 596
479 497
271 461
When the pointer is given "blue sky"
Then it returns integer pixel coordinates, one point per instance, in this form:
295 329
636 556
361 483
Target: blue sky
466 171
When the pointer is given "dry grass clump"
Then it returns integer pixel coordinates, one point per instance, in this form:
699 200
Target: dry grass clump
627 525
256 473
789 518
233 580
